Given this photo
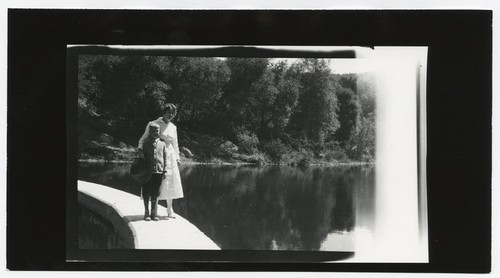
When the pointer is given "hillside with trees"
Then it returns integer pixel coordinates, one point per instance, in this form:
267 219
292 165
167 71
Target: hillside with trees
255 110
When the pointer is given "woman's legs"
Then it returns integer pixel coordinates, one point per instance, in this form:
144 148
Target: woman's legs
170 209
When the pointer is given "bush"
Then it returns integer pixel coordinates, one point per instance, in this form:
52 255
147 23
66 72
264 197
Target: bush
336 155
302 157
304 162
228 148
258 158
247 141
334 152
275 149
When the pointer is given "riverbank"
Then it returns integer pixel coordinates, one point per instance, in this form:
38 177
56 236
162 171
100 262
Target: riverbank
190 162
197 149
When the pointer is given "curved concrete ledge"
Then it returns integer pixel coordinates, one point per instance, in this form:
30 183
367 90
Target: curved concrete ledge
108 212
125 212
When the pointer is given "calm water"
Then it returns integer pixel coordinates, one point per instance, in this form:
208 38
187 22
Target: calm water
266 208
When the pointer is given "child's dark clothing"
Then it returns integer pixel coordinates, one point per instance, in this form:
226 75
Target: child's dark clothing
155 154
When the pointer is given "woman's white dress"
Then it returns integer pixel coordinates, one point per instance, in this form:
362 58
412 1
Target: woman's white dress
171 186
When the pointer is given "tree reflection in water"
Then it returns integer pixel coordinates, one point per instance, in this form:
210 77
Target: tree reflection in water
265 208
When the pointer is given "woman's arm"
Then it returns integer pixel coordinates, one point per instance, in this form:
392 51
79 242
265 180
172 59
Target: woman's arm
176 146
165 157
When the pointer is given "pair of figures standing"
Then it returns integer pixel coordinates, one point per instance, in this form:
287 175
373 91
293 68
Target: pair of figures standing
159 148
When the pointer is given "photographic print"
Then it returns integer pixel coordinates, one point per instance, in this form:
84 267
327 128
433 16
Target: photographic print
249 140
250 149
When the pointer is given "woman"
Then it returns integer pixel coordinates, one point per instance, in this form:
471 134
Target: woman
171 186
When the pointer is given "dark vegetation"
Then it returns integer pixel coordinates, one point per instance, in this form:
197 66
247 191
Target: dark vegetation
254 110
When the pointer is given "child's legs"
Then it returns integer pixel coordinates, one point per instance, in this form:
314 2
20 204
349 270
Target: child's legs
155 191
146 195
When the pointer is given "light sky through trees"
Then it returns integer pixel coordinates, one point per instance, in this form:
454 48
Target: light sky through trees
338 66
341 66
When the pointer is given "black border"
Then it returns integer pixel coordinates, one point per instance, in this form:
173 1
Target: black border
459 91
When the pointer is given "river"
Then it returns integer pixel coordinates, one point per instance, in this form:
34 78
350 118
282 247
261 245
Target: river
266 207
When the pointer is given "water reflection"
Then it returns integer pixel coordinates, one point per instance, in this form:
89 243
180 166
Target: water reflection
267 208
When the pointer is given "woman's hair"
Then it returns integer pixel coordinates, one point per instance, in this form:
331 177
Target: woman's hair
169 107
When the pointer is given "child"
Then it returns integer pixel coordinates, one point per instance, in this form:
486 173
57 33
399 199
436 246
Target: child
154 152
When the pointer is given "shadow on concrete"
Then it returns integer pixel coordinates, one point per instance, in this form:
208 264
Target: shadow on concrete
133 218
136 218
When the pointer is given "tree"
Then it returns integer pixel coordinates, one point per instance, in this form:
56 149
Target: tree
261 100
88 85
239 93
362 145
316 115
288 88
197 83
349 81
366 90
349 111
122 91
260 96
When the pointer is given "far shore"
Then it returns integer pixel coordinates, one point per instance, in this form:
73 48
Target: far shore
330 164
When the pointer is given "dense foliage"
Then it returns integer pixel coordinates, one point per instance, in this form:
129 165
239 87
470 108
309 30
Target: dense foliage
284 111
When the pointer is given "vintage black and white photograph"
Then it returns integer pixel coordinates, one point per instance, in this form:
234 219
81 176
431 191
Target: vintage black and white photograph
272 153
243 140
